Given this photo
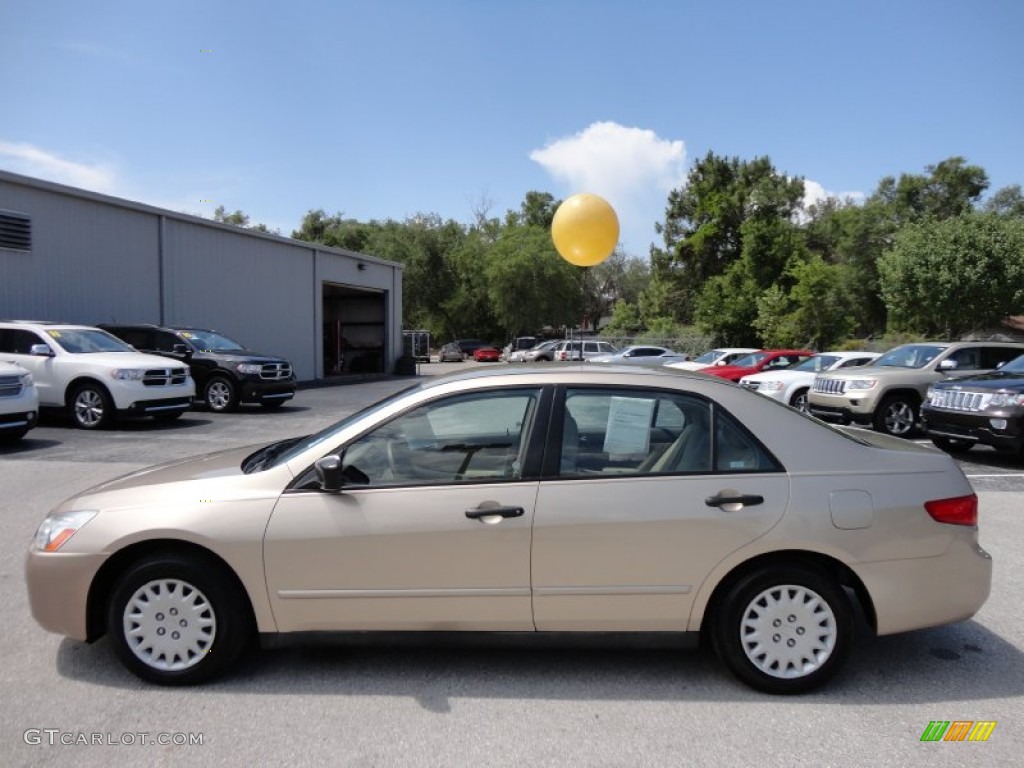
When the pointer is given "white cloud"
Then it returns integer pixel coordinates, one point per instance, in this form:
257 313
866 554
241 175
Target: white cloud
632 168
815 193
32 161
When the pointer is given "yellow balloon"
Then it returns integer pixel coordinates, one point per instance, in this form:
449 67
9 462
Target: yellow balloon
585 229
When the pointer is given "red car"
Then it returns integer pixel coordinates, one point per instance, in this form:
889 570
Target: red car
755 362
486 355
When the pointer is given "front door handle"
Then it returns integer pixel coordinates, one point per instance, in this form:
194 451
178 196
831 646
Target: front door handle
743 499
481 512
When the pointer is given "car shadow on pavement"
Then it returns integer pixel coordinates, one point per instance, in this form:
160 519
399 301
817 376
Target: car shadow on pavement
26 445
963 662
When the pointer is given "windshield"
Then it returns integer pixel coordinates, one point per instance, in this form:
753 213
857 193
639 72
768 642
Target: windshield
84 341
1014 366
910 356
210 341
749 361
816 363
324 435
709 357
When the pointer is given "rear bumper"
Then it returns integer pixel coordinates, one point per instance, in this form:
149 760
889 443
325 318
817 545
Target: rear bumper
928 591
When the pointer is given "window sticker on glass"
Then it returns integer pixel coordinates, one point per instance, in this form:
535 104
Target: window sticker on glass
629 421
54 334
186 335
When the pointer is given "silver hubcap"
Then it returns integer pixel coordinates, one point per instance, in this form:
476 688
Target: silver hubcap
89 407
800 402
169 625
899 419
218 395
788 631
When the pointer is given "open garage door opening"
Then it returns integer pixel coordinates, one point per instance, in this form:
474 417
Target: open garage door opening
355 330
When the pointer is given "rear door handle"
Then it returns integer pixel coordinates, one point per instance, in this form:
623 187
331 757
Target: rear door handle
744 499
479 512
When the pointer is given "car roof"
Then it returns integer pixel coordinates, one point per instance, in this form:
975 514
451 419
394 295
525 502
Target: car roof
603 374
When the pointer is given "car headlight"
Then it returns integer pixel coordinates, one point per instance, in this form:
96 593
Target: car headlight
1007 399
248 367
772 386
57 528
25 379
128 374
861 384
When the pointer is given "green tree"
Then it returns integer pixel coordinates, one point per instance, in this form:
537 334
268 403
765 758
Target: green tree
1008 201
954 276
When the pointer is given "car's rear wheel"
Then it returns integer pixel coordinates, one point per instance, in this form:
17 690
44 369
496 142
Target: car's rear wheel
220 394
783 629
897 416
799 401
91 406
952 445
178 620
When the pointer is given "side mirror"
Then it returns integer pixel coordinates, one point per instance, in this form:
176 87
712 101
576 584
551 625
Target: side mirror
41 350
329 474
948 365
182 349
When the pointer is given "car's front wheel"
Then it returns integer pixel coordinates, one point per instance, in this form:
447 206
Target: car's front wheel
799 401
178 620
897 416
783 629
91 406
220 394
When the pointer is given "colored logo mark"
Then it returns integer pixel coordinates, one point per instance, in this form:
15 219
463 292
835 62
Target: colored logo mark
958 730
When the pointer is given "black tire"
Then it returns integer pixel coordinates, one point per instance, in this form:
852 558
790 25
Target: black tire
220 394
272 405
951 445
897 416
167 415
169 591
91 406
799 401
794 604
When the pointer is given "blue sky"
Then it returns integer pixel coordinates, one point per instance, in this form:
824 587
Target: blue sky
389 108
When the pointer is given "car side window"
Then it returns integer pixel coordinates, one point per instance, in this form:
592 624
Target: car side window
966 359
993 357
164 341
137 337
17 341
630 432
476 437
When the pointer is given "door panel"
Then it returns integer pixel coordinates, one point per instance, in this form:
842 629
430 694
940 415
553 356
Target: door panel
401 559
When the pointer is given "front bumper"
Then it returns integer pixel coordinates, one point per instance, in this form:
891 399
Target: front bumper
18 421
58 590
928 591
153 407
976 427
257 390
839 414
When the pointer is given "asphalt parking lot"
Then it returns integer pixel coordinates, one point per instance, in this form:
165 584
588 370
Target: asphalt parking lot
369 705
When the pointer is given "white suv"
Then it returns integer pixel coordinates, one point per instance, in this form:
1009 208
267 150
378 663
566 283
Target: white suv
19 402
96 375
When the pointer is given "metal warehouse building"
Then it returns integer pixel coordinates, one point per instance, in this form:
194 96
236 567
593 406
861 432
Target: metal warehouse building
75 256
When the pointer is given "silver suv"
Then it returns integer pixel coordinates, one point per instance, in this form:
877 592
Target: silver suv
570 350
888 394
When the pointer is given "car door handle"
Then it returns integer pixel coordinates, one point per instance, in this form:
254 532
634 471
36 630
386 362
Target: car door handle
478 512
746 499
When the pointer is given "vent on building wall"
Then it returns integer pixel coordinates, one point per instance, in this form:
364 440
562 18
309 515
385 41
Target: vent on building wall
15 231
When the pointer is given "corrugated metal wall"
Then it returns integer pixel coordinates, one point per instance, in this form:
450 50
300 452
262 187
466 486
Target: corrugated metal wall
97 259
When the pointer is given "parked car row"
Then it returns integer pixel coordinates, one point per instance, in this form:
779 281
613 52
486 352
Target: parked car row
102 373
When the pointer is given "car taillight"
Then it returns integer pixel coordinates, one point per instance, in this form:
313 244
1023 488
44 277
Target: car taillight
963 510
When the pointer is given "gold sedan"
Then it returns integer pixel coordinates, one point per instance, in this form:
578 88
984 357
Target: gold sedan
578 499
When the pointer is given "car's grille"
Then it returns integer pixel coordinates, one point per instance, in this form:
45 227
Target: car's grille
958 400
165 377
829 386
10 386
276 371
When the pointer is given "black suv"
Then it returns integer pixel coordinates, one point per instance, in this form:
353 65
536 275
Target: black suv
986 409
225 372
